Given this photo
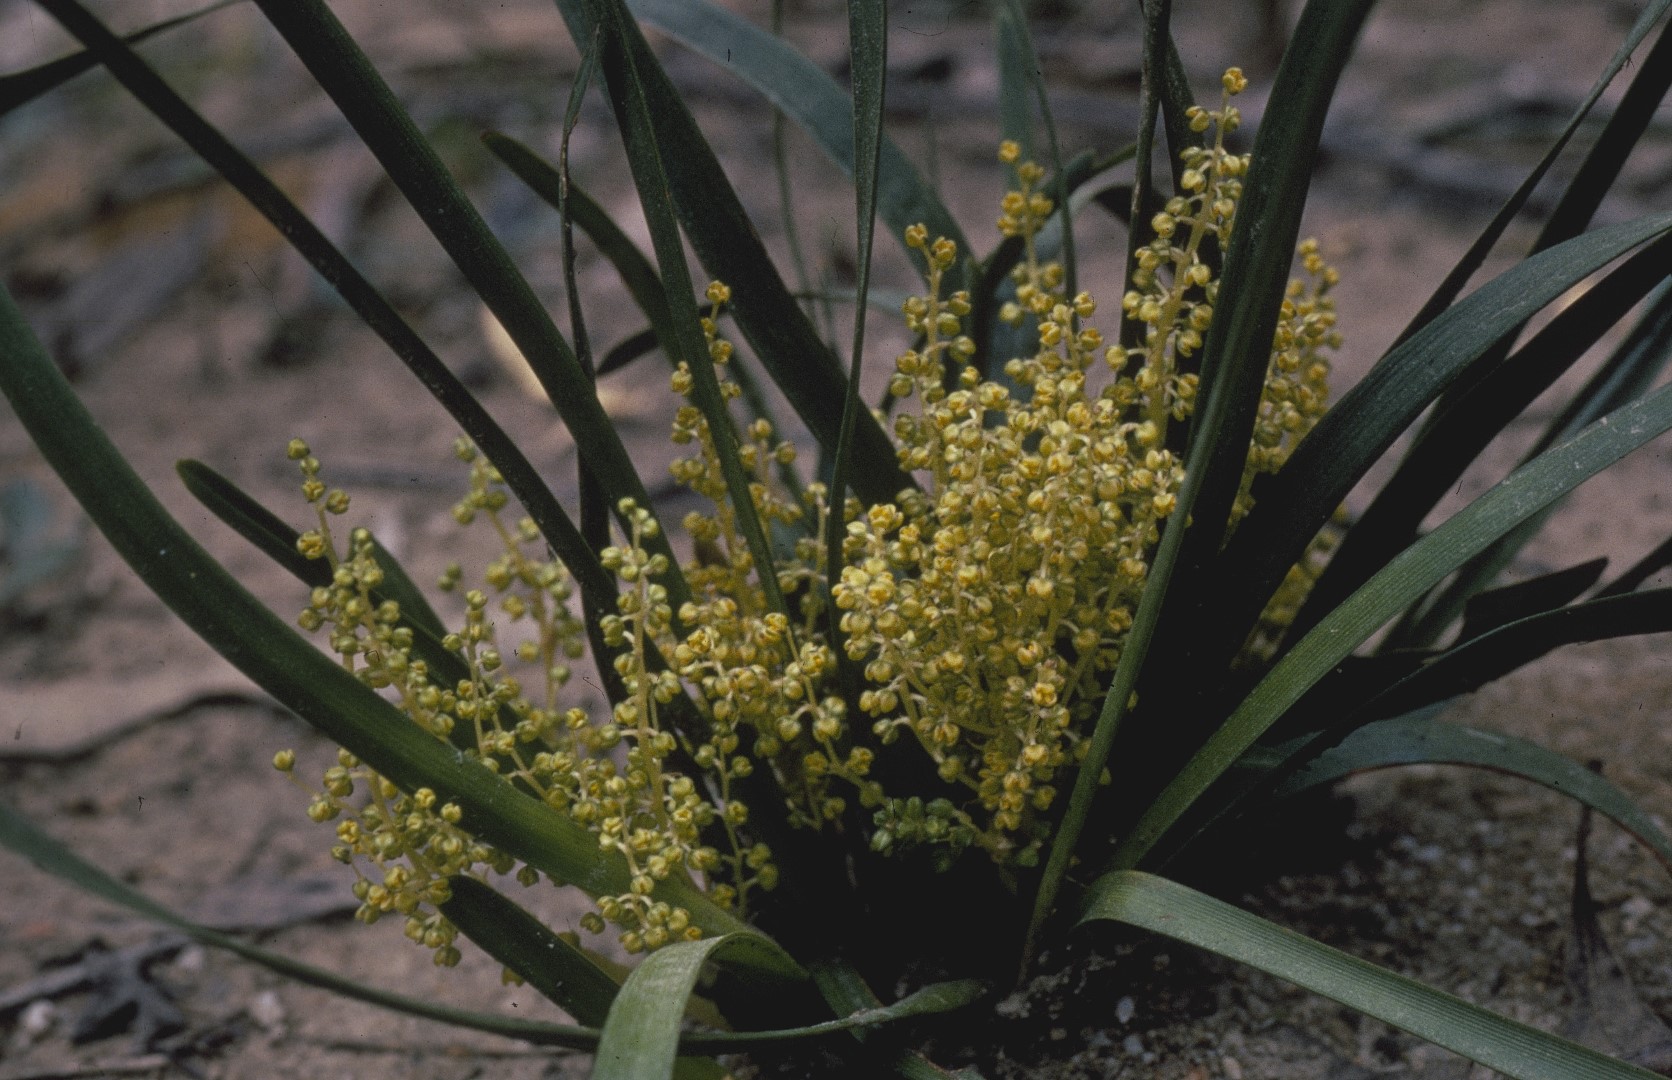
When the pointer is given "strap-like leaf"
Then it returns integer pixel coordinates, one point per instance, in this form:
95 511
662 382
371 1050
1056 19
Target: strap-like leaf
1524 494
261 645
1473 259
354 85
726 243
1368 690
19 834
1421 740
1236 355
508 933
641 1035
1184 914
19 88
22 836
798 88
597 587
644 285
1630 371
1291 508
868 48
650 175
1432 467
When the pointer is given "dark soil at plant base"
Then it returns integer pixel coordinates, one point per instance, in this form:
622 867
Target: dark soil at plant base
123 735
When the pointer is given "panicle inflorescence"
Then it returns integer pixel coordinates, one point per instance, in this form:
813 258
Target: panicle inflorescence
978 614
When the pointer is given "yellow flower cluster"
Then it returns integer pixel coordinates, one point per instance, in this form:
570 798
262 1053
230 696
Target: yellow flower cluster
979 614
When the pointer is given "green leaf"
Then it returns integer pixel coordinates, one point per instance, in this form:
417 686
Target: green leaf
726 243
592 498
644 156
1184 914
802 91
1627 373
1400 583
1640 571
1294 504
1478 660
277 540
1420 740
1015 82
1157 37
1409 688
281 662
22 836
644 285
19 834
1472 260
1498 607
19 88
1492 393
351 81
597 587
1237 353
641 1035
1454 441
508 933
868 48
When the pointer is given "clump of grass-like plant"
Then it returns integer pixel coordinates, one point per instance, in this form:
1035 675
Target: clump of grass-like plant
1076 581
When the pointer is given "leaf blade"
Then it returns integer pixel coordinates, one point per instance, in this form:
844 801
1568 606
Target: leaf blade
1407 577
1515 1049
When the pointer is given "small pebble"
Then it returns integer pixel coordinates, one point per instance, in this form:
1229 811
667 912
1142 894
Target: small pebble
267 1011
1125 1008
36 1020
191 959
1231 1067
1133 1046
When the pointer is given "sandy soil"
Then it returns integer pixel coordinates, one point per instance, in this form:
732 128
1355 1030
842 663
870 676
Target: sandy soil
191 332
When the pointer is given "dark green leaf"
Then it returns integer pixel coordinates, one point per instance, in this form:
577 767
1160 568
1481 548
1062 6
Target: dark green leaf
1015 79
21 87
509 934
1472 260
1293 505
277 540
350 80
726 243
1497 607
20 835
1236 355
798 88
868 49
1183 914
1423 741
1454 441
1476 661
1524 494
597 587
277 659
644 155
1631 370
644 285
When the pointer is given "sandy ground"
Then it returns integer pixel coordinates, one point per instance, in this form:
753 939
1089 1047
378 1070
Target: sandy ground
191 332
